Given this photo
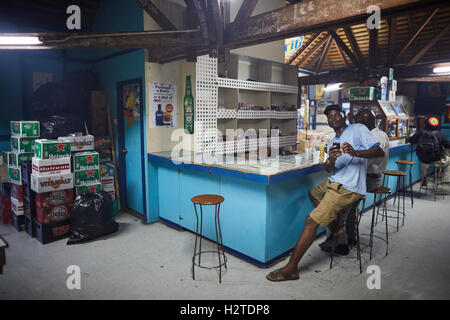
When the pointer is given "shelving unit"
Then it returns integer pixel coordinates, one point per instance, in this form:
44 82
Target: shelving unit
244 100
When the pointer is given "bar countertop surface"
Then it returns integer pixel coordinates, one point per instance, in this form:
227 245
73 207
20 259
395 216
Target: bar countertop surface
268 171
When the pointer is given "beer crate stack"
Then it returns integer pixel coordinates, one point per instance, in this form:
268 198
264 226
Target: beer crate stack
52 183
28 199
86 172
107 178
23 136
5 191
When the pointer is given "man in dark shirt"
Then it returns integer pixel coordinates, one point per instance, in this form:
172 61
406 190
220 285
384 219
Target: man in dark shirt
431 144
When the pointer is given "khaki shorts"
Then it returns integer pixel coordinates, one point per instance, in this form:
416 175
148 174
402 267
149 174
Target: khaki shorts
332 198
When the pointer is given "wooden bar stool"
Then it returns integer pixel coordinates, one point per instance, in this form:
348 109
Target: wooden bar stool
400 186
410 164
207 200
380 191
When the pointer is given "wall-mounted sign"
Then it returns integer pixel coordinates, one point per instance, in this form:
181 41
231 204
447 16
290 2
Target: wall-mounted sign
291 45
163 105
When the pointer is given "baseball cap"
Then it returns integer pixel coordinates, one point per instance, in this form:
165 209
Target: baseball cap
333 107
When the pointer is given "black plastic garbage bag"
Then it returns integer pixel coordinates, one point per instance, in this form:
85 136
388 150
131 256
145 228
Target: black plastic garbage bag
92 217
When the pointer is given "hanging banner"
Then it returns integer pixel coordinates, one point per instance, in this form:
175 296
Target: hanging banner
163 106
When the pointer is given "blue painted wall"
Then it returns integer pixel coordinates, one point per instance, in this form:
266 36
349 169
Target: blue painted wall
16 81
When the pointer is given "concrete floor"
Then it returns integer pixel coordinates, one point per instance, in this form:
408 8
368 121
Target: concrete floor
154 262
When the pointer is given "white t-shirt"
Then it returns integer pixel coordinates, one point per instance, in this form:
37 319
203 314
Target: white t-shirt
378 165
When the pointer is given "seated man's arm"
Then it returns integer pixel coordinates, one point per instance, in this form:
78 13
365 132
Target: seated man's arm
374 152
368 148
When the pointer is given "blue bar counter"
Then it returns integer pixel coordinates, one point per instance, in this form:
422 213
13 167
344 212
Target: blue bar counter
263 213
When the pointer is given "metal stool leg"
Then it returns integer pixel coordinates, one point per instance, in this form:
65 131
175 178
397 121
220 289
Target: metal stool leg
218 243
195 246
387 233
411 186
220 234
403 194
371 225
398 203
201 232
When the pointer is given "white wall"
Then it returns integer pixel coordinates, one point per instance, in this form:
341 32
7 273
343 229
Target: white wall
273 51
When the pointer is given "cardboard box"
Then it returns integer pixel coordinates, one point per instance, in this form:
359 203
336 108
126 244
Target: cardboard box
86 177
45 167
98 113
41 184
393 85
85 161
18 157
51 149
4 174
53 214
89 188
81 143
15 175
365 93
392 96
17 206
25 129
22 144
54 198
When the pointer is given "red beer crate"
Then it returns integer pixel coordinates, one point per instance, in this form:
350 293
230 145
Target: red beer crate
53 214
54 198
17 191
51 232
6 209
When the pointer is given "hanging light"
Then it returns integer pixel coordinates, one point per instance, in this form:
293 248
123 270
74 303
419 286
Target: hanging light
441 69
19 40
333 87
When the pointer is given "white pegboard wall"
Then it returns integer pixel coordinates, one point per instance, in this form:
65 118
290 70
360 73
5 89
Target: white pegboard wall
206 104
223 113
257 86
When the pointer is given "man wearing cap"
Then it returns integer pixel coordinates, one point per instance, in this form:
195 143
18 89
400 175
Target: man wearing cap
346 186
431 144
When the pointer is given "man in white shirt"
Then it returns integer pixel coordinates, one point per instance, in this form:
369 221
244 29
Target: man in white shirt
375 166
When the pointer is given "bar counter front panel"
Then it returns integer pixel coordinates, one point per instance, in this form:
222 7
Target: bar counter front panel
262 215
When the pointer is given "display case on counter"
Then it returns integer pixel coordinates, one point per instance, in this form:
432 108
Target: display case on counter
391 117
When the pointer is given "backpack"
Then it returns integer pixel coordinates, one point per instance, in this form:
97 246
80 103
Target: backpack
428 148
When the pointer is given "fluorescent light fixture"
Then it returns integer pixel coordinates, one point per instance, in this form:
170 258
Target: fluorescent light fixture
333 87
18 40
441 69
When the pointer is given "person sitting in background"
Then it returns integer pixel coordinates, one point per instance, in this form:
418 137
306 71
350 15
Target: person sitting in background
431 144
346 185
375 167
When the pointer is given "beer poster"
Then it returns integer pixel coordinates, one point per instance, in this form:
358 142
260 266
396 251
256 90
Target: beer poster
162 105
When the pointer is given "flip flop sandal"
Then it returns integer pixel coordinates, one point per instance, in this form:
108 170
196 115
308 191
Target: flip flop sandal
285 276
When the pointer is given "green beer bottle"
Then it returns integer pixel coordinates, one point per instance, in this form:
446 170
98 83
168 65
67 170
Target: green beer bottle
188 108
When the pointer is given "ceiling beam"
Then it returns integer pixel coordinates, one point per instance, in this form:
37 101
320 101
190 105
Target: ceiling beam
430 44
119 40
246 10
354 44
313 51
200 11
304 47
156 14
311 16
215 27
347 51
324 54
341 55
416 32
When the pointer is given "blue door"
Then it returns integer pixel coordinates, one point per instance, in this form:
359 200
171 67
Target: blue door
131 145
